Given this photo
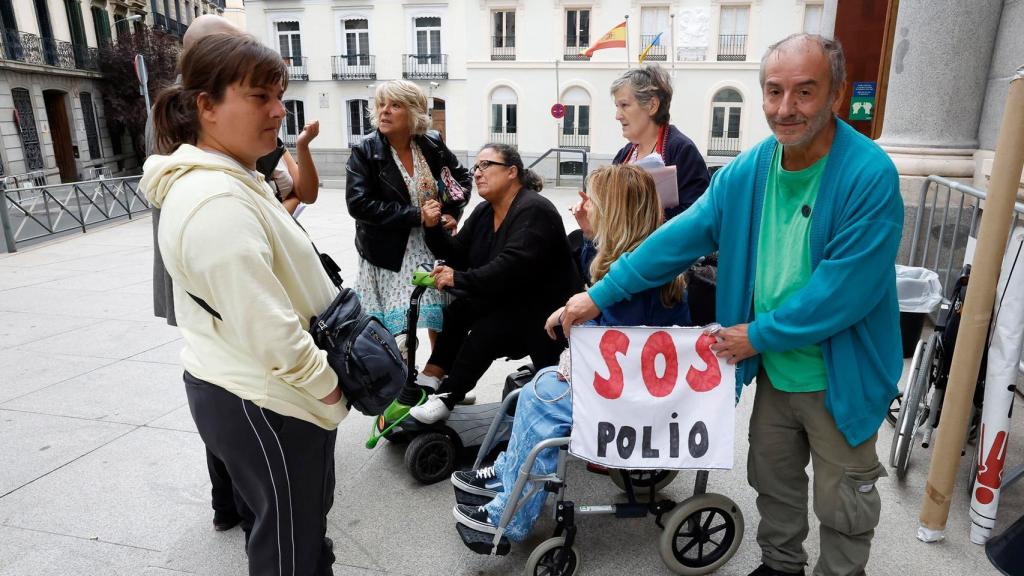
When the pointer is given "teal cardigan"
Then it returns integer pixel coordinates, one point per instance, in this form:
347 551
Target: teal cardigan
848 307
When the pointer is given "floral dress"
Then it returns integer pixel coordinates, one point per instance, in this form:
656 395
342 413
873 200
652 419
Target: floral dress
385 293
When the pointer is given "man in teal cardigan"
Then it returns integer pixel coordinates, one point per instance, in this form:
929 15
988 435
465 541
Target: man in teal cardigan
807 234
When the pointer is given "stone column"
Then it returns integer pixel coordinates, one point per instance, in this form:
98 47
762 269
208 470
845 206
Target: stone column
940 65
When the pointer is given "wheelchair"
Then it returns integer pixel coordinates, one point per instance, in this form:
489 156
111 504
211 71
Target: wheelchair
700 534
916 412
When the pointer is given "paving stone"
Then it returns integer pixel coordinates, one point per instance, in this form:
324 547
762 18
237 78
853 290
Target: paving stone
19 327
128 392
120 276
180 419
116 339
36 553
36 444
82 304
169 353
16 277
144 489
25 371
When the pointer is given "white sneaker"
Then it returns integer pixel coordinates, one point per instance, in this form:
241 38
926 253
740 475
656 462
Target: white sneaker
431 411
431 382
469 399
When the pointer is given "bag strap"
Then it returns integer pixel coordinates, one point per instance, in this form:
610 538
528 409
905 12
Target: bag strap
202 304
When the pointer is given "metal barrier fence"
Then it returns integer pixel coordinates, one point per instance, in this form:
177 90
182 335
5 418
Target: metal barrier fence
947 216
34 212
943 226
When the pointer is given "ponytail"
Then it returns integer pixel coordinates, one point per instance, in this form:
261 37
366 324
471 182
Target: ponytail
175 118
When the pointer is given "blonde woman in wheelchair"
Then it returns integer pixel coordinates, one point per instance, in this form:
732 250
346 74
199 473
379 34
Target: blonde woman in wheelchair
623 209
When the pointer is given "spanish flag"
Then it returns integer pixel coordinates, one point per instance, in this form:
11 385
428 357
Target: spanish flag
655 42
615 38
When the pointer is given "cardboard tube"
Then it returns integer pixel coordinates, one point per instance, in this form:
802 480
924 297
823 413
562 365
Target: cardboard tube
977 311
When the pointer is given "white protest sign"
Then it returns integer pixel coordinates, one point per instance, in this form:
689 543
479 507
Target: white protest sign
651 398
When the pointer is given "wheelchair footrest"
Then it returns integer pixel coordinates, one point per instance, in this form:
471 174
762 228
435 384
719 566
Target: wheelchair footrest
482 542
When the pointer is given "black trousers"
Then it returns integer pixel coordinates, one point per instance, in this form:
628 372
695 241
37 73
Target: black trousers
474 336
282 469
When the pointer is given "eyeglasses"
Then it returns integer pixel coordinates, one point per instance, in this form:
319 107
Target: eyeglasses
484 165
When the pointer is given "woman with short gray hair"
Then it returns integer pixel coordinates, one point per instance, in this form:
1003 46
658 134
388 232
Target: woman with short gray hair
390 176
643 97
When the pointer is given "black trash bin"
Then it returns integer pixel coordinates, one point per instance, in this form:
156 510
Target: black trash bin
911 326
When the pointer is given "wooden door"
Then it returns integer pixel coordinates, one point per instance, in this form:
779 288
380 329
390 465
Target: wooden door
60 133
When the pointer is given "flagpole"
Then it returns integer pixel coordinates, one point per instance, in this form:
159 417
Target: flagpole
627 41
672 44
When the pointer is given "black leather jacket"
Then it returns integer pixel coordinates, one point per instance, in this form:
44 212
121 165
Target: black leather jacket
379 201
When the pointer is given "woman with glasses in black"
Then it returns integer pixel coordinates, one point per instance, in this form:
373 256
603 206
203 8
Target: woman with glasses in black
509 266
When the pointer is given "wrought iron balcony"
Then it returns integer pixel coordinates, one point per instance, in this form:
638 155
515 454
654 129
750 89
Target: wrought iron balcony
510 138
297 67
354 67
31 49
290 140
574 140
425 66
159 21
732 47
86 58
723 145
59 53
503 47
656 53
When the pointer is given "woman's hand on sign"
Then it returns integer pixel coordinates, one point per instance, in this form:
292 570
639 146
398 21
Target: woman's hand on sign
578 309
431 213
579 211
733 344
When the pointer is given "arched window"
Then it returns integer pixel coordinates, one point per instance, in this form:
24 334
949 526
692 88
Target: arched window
576 123
294 121
358 121
726 111
504 123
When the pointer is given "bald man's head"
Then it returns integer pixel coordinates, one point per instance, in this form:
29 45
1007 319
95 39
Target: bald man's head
204 26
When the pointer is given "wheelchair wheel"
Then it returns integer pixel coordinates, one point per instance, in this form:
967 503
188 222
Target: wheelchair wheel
701 534
430 457
914 411
642 479
897 403
552 558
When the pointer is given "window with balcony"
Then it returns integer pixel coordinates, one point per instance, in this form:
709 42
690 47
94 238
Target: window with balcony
654 20
356 63
732 33
289 41
812 18
428 62
726 111
428 39
294 121
504 124
358 122
503 40
357 42
101 25
577 33
92 134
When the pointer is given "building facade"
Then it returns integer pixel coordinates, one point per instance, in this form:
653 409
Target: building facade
52 120
494 68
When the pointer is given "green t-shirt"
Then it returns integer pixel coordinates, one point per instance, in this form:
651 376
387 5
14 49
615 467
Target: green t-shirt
784 266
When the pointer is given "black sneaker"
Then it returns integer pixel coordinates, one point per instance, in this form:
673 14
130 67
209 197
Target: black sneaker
483 482
765 570
225 520
474 517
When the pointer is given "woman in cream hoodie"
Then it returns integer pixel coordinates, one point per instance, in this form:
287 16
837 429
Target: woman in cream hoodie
246 281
